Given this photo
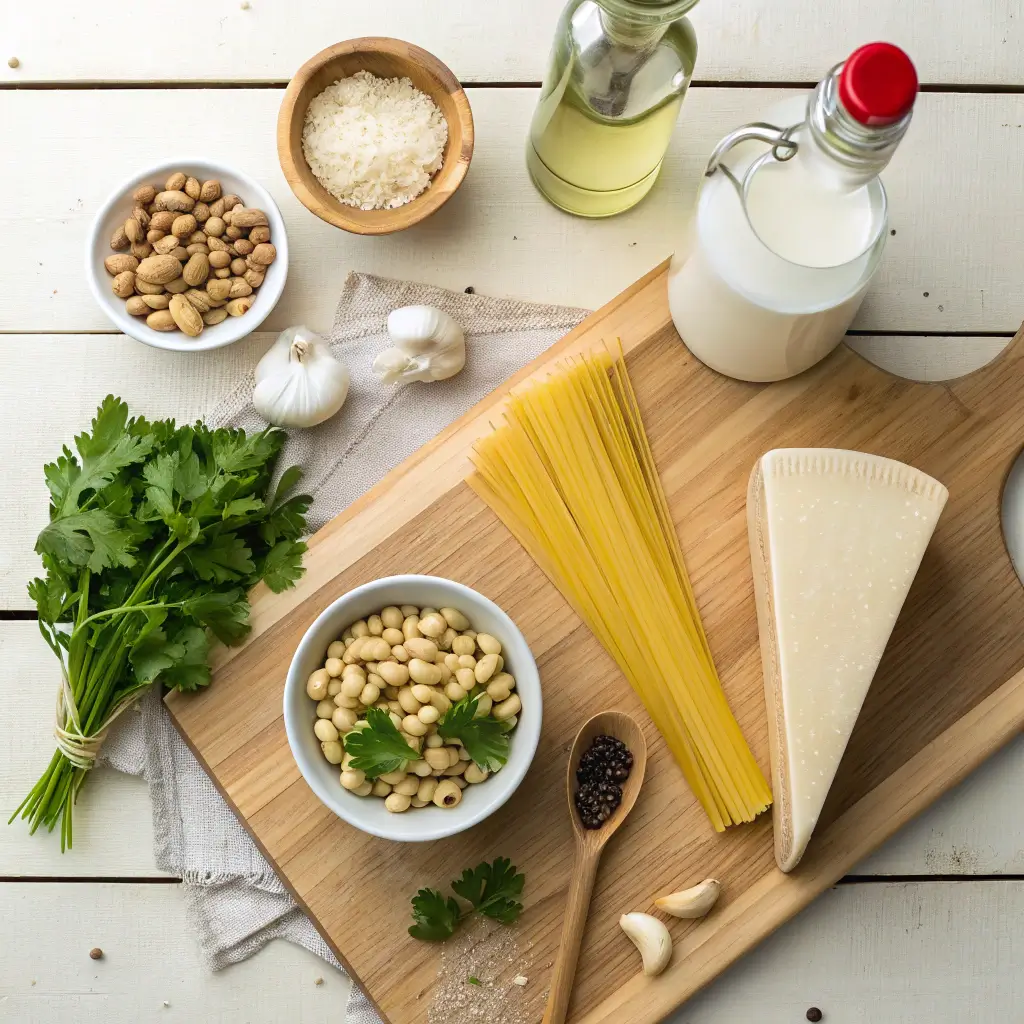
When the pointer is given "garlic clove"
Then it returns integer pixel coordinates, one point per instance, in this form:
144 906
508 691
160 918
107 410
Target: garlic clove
651 938
694 902
428 345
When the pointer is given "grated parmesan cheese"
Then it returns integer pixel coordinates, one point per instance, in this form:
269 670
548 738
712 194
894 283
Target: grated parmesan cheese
374 142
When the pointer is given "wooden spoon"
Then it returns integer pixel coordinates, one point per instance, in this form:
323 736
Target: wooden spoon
590 845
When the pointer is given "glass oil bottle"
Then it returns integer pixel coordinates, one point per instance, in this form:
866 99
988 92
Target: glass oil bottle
618 73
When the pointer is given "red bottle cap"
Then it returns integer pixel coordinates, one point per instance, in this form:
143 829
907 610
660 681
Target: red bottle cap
878 84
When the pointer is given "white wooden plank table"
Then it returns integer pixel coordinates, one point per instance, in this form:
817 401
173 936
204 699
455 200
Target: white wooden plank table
929 929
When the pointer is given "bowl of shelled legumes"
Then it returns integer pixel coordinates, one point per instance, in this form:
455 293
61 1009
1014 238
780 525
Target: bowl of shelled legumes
413 707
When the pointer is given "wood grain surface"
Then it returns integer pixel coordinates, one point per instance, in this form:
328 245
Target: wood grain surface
946 695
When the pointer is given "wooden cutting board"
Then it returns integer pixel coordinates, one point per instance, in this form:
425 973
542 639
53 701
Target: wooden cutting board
948 693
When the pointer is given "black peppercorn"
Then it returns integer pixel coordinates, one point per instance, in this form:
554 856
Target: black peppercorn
604 764
814 1014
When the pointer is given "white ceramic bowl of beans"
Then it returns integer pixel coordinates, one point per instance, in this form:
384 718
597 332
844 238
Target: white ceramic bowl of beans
369 813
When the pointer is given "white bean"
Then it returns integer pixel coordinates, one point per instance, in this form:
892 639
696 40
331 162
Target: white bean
436 757
420 647
422 693
455 618
370 694
454 692
325 708
507 708
393 636
392 673
400 654
410 609
316 685
359 629
344 719
397 803
417 802
334 688
325 730
366 788
433 625
376 649
406 697
467 661
411 629
466 678
487 643
474 773
486 667
334 667
392 617
352 686
428 714
462 645
336 649
447 794
484 703
381 788
392 778
333 751
346 702
423 672
375 625
408 787
441 701
413 726
352 778
420 768
497 689
426 789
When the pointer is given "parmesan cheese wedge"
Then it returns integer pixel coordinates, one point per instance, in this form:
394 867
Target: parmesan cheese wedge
836 538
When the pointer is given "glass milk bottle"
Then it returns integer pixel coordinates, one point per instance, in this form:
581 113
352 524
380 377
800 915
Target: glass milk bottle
791 222
617 76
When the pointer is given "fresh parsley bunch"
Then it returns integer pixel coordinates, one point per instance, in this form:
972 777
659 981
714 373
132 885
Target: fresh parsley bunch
156 534
490 889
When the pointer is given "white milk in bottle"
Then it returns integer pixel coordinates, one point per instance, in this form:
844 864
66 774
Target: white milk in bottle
790 223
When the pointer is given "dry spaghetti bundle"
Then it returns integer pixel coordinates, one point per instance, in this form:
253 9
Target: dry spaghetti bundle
571 474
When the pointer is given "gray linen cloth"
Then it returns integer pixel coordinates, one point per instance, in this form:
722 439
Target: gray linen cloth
235 901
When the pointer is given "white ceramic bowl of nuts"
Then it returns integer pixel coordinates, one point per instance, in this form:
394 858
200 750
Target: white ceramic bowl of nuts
349 702
137 265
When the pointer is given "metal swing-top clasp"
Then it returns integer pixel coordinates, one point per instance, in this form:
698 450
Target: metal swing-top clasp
783 147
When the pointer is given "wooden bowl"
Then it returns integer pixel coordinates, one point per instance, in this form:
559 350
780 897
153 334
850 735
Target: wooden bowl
386 58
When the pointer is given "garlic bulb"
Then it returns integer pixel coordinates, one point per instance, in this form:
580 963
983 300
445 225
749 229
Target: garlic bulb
428 345
298 382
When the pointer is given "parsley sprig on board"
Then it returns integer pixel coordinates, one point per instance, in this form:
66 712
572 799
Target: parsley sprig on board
485 738
490 889
156 534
